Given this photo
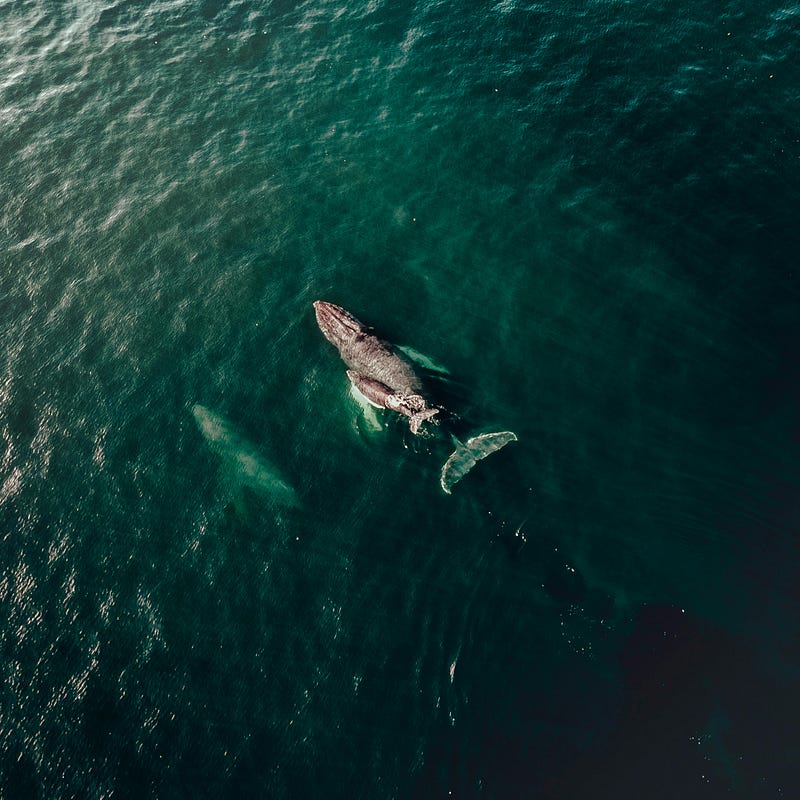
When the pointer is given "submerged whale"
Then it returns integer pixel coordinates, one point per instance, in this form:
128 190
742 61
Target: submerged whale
243 463
382 374
379 370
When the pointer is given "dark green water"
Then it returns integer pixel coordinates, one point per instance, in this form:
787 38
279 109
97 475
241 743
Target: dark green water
587 212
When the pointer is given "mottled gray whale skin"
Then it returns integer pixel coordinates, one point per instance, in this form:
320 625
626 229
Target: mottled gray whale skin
385 376
363 352
386 379
379 394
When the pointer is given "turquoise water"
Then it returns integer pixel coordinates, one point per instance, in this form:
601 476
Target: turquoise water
585 212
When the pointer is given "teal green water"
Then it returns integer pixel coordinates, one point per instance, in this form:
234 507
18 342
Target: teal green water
586 212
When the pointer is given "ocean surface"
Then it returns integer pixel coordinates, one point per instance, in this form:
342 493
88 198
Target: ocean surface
220 577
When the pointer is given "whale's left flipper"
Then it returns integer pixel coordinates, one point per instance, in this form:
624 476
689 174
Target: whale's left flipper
466 456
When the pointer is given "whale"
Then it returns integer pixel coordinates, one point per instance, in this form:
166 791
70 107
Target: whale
381 396
383 374
243 463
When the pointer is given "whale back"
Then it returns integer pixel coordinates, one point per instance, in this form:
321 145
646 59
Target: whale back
365 353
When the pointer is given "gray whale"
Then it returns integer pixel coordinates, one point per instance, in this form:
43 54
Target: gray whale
376 368
382 374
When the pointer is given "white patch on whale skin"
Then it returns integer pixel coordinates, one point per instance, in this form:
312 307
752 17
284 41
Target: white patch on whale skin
467 455
367 409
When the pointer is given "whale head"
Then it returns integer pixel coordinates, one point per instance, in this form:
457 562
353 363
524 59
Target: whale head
337 325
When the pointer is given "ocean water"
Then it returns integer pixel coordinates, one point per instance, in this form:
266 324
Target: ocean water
219 578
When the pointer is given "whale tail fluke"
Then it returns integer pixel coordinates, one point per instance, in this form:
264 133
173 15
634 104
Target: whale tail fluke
418 417
468 454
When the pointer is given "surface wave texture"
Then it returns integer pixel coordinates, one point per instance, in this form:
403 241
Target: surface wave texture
219 578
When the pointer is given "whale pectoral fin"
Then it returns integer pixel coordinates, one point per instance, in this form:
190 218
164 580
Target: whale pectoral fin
423 360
